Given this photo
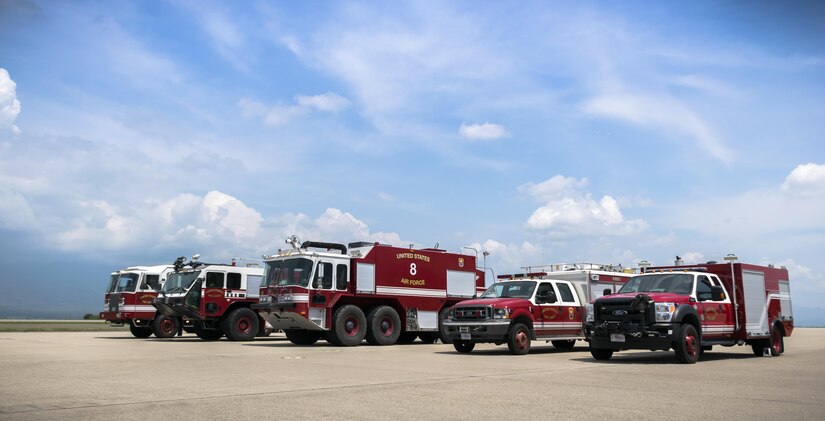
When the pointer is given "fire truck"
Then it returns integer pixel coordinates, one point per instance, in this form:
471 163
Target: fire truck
520 308
346 293
692 308
129 300
214 298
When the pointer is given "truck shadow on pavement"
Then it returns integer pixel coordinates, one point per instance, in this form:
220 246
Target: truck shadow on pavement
661 357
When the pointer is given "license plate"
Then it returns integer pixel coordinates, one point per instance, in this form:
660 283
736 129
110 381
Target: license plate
617 337
466 337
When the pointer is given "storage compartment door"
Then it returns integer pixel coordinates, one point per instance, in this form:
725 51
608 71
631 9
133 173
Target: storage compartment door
365 278
756 319
785 300
461 284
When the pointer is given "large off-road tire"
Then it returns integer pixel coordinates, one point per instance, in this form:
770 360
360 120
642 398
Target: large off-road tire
688 346
240 325
428 337
518 339
564 344
302 337
349 326
464 346
406 338
207 334
758 348
164 326
442 330
141 332
601 354
383 326
777 341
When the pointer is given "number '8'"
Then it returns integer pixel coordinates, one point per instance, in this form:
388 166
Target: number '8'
413 269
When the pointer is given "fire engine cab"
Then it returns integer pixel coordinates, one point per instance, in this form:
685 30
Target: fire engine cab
129 300
520 308
692 308
344 294
215 298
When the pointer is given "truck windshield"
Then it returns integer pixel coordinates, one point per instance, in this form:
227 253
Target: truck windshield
179 281
113 283
127 282
677 283
294 271
519 289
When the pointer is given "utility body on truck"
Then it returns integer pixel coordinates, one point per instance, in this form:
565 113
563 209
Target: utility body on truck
344 294
520 308
128 300
692 308
214 298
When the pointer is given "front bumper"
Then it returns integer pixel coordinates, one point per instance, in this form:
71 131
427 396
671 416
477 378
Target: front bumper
283 316
493 330
618 336
171 308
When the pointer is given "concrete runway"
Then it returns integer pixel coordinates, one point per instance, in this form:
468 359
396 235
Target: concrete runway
110 375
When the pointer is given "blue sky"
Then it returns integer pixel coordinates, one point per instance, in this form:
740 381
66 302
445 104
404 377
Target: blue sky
135 132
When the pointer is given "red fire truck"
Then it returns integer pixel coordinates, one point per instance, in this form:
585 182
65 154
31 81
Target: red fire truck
215 298
368 290
129 300
692 308
520 308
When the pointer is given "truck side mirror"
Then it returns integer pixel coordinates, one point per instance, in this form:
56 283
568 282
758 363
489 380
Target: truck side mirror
548 298
607 291
717 293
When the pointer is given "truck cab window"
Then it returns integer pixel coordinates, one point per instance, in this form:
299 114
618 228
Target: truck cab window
565 292
703 289
341 277
543 290
323 276
214 279
233 280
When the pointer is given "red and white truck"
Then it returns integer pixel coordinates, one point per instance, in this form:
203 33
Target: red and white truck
215 298
128 300
345 294
692 308
548 305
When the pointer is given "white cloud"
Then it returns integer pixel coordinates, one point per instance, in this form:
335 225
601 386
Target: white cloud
227 38
662 113
485 131
508 258
329 102
691 257
568 210
279 115
9 104
806 178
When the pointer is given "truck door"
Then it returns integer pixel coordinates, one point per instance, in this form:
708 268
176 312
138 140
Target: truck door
546 312
213 293
570 308
322 292
717 314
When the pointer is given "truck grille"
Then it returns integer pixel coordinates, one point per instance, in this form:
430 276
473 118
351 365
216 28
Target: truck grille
621 311
473 313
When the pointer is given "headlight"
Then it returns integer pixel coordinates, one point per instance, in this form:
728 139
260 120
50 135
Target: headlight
664 311
589 317
285 298
501 313
265 299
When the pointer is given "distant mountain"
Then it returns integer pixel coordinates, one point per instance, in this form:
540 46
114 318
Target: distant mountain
809 317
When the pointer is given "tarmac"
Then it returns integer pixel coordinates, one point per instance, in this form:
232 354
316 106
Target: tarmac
111 375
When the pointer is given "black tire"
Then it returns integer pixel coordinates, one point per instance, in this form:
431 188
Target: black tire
383 326
240 325
406 338
141 332
689 345
777 341
601 354
758 348
349 326
428 337
564 344
164 326
464 346
442 330
207 334
263 331
518 339
302 337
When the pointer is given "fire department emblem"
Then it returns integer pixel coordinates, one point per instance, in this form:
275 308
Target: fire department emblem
461 262
571 313
147 298
549 313
215 293
711 313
